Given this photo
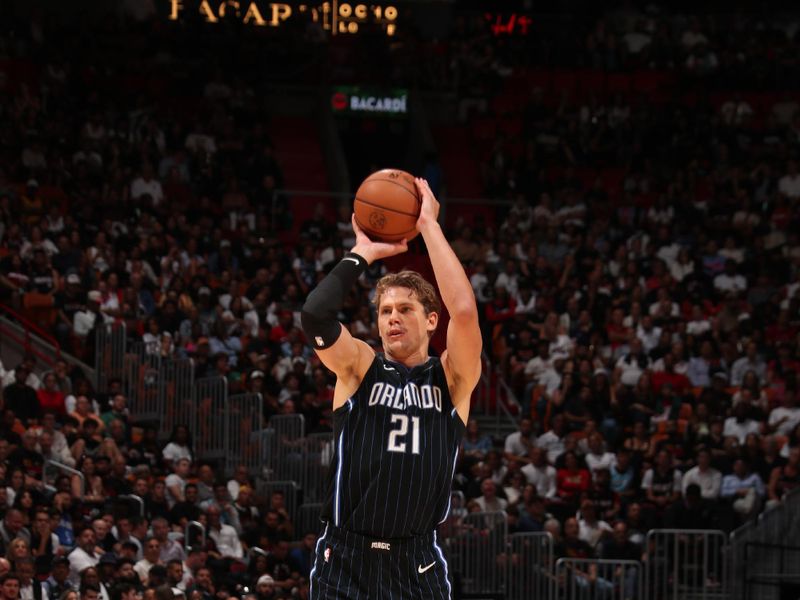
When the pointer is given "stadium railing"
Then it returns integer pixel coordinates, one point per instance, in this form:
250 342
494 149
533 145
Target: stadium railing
209 421
678 564
477 553
529 564
51 465
189 540
758 552
683 563
245 422
138 500
580 578
110 346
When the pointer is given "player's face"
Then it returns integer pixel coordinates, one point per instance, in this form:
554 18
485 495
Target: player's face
403 325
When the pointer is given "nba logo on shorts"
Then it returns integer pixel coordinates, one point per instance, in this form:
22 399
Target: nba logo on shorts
327 554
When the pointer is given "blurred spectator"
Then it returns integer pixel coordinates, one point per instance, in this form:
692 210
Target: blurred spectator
83 556
151 550
225 538
240 477
57 583
572 480
744 489
21 397
474 444
662 483
540 474
592 529
618 546
784 478
178 446
706 477
489 501
170 549
25 569
691 511
519 444
740 424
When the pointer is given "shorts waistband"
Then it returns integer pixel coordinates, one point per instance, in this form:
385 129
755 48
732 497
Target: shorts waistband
368 542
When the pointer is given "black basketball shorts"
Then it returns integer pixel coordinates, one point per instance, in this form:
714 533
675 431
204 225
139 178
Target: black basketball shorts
352 566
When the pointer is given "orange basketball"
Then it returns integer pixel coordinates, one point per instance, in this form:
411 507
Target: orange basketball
387 206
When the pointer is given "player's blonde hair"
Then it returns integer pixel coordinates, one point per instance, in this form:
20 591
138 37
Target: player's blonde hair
423 291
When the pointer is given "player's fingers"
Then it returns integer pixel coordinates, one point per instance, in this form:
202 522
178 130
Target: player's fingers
420 189
356 228
424 184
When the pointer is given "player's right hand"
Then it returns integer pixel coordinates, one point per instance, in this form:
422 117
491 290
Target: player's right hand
373 250
429 211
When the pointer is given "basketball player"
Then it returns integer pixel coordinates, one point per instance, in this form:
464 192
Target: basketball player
398 420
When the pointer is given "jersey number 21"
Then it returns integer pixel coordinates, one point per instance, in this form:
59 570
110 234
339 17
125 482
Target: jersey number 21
397 435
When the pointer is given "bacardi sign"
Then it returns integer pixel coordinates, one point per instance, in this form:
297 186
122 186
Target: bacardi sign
335 16
361 100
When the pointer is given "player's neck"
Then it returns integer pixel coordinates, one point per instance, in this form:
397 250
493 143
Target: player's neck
412 360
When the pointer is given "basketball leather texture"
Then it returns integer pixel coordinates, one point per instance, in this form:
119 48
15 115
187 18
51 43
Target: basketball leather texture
387 205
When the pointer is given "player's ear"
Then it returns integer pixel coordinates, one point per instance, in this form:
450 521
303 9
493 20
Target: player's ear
433 321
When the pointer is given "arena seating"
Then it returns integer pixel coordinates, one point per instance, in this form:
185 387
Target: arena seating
628 217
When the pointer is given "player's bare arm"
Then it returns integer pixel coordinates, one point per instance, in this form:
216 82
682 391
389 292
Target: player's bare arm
348 357
462 358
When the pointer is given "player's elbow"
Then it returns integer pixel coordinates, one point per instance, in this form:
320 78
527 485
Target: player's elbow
464 312
322 330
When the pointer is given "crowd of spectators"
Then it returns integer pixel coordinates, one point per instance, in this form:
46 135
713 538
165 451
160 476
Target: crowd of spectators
639 289
726 48
650 331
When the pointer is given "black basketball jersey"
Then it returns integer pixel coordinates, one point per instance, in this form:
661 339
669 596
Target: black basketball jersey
396 443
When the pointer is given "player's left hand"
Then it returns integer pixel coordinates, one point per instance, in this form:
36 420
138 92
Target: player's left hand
429 212
372 250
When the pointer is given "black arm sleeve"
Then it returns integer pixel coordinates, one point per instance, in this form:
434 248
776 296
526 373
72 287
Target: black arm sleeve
320 324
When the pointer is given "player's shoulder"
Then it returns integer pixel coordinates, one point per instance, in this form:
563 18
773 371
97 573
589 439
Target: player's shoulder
373 368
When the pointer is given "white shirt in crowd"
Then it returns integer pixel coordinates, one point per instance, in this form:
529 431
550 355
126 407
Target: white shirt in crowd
679 271
543 479
630 369
83 322
494 505
174 480
600 461
698 327
561 347
730 283
142 569
227 541
9 377
649 338
740 430
647 480
509 281
789 185
515 446
26 591
140 187
78 561
536 366
681 367
792 416
174 452
709 481
552 444
592 533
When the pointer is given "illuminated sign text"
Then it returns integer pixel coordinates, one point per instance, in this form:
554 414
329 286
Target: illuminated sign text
334 16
